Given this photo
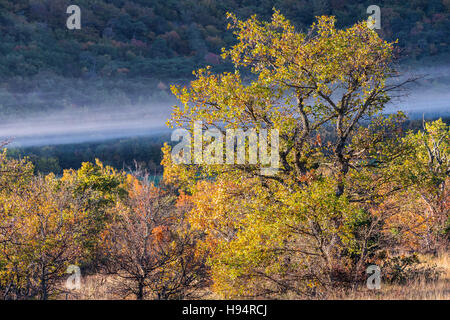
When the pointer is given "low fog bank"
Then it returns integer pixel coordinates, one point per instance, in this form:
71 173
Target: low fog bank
77 126
428 97
97 125
420 102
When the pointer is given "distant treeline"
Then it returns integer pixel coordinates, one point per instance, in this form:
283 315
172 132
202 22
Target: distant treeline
119 153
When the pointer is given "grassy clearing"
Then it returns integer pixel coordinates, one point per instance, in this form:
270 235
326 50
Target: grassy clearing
99 287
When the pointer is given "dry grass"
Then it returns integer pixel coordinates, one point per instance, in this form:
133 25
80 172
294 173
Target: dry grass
100 287
419 289
93 287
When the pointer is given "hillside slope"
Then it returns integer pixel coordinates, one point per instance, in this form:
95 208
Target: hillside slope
167 39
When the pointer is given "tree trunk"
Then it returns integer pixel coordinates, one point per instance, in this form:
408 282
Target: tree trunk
140 294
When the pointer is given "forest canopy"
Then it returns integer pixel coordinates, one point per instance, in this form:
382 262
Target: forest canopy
168 39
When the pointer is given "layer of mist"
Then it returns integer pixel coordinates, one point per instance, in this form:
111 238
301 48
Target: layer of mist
429 97
67 127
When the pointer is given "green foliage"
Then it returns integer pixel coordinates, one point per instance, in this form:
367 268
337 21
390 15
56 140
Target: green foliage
113 33
429 168
96 187
14 174
119 154
314 223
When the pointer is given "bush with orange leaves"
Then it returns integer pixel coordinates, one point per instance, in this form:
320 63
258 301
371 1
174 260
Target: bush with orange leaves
150 247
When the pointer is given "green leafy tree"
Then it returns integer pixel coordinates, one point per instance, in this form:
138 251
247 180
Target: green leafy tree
295 232
98 188
429 167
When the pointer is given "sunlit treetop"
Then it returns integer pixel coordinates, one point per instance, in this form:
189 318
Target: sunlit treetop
302 82
321 73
